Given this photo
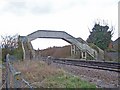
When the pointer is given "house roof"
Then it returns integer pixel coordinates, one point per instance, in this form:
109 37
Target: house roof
116 42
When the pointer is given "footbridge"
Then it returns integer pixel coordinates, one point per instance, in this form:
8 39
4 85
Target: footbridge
26 41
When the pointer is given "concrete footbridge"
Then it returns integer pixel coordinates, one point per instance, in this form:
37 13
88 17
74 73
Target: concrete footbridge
83 48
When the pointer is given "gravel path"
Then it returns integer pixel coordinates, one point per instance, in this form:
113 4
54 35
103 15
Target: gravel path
102 78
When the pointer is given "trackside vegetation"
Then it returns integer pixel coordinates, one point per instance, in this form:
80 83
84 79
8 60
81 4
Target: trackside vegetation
42 75
66 81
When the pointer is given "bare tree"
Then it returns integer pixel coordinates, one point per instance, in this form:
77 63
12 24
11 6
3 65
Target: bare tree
9 42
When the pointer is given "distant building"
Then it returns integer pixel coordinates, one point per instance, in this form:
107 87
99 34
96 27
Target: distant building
110 46
116 44
114 52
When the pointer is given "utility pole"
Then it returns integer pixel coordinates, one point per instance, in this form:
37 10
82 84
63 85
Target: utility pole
118 18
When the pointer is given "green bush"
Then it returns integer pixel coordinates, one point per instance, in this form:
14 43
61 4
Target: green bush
17 52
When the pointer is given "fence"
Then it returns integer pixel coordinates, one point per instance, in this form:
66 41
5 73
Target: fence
14 78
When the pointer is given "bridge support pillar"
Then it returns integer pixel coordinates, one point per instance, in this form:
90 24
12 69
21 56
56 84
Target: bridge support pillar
84 55
73 50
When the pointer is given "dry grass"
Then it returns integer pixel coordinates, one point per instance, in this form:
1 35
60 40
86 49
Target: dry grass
40 74
36 71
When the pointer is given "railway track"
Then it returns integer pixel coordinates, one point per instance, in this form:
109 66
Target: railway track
103 65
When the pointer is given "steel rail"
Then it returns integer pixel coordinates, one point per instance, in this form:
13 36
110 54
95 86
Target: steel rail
103 65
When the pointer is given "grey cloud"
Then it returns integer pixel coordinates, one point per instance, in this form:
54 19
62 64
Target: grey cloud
41 8
15 7
21 7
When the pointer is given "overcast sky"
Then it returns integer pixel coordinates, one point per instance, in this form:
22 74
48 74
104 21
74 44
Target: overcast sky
73 16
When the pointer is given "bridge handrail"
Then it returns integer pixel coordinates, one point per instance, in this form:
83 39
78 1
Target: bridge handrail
81 46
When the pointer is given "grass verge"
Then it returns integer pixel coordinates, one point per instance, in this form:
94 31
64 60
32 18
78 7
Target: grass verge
66 81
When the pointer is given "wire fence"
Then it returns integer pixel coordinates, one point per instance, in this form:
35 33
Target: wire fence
13 78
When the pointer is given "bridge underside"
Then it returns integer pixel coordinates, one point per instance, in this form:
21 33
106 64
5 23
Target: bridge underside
84 48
